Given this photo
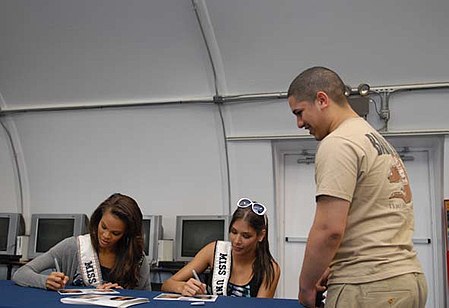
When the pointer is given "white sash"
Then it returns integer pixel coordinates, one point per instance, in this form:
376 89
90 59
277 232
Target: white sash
88 261
222 268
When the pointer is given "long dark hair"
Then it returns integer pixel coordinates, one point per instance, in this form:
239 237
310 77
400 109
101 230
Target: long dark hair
129 250
263 264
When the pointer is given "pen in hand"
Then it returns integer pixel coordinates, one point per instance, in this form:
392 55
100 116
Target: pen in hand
58 269
195 275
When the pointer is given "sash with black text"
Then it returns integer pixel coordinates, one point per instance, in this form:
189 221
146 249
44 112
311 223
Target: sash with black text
88 260
222 268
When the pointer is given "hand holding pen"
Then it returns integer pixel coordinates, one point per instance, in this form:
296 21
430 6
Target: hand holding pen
195 275
194 286
56 280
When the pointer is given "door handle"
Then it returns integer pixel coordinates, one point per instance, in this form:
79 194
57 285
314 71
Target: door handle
422 241
296 239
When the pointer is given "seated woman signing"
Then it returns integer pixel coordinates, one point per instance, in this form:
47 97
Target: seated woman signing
109 256
243 267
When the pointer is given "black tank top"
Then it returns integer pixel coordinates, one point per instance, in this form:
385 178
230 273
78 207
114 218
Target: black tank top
249 290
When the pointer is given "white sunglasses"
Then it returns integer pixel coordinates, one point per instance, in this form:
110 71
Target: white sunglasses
258 208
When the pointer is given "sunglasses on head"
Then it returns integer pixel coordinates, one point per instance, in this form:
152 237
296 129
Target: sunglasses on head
258 208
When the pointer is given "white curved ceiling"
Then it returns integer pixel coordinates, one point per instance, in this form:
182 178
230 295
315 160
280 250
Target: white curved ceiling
69 52
65 51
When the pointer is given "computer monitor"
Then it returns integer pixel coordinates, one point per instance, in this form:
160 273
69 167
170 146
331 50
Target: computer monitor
11 226
49 229
194 232
152 232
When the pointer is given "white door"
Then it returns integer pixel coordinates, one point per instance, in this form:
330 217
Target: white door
298 216
297 208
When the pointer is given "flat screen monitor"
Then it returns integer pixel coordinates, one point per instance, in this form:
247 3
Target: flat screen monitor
194 232
49 229
11 226
152 233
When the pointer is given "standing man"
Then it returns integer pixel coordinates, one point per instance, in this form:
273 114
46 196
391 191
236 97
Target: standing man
364 218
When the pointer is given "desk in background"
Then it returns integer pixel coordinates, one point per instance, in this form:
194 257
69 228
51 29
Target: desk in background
164 270
12 295
11 262
160 273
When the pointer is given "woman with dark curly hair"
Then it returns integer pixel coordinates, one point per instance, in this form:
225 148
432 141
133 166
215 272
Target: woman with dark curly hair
109 256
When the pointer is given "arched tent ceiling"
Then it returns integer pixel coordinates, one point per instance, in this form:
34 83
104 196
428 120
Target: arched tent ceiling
100 51
66 52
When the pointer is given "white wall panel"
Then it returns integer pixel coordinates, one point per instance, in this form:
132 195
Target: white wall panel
252 176
420 110
169 158
260 118
446 171
9 190
409 111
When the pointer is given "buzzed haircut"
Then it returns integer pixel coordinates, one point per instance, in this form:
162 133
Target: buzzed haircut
305 86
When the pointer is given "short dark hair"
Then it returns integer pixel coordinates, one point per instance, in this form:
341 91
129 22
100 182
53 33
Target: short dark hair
305 86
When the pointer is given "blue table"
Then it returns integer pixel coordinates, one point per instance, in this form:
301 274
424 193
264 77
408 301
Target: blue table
12 295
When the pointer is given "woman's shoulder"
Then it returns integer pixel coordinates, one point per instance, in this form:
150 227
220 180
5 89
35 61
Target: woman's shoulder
69 240
277 269
206 254
209 248
276 265
143 262
212 246
67 244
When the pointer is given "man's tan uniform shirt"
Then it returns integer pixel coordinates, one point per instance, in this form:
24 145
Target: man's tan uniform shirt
357 164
